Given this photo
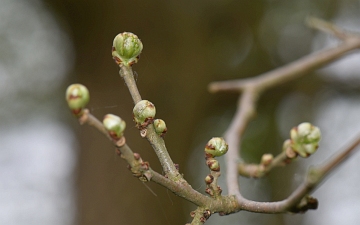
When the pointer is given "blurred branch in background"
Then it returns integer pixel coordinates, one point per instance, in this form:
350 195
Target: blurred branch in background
251 90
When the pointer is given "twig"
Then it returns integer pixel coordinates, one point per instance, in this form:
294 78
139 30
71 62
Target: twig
128 75
155 140
88 118
179 187
251 88
262 169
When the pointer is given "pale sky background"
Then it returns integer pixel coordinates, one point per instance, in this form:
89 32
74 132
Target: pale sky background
37 155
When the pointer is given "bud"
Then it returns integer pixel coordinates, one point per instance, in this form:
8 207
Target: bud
216 147
114 125
209 179
213 164
144 113
305 139
160 127
266 159
126 48
305 133
290 153
77 97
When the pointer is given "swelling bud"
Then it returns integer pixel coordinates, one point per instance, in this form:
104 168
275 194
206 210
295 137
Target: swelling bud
305 139
160 127
126 49
77 97
144 113
114 125
217 146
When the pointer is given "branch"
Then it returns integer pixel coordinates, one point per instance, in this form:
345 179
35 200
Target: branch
155 140
251 89
268 162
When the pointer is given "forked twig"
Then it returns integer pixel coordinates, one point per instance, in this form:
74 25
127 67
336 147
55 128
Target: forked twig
251 89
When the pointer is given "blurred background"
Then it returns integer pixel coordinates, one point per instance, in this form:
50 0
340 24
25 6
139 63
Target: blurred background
54 171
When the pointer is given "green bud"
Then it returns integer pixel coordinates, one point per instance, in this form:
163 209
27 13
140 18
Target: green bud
216 147
114 125
77 97
126 48
160 127
305 133
305 139
144 113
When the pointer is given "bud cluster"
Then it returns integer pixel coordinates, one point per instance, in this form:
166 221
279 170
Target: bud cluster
304 140
214 148
144 113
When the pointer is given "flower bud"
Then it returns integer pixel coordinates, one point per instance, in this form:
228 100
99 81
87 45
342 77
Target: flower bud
305 139
160 127
114 125
216 147
144 113
305 133
126 48
77 97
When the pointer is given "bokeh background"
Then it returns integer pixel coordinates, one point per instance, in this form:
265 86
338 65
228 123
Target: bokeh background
54 171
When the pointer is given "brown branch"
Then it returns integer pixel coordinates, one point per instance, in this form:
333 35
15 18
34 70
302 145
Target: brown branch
142 170
179 187
251 89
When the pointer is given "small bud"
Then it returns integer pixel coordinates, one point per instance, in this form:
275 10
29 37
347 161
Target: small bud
216 147
213 164
305 139
144 113
209 179
126 48
114 125
207 214
266 159
160 127
77 97
209 191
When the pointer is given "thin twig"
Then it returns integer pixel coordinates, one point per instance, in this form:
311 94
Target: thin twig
128 75
155 140
260 170
91 120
